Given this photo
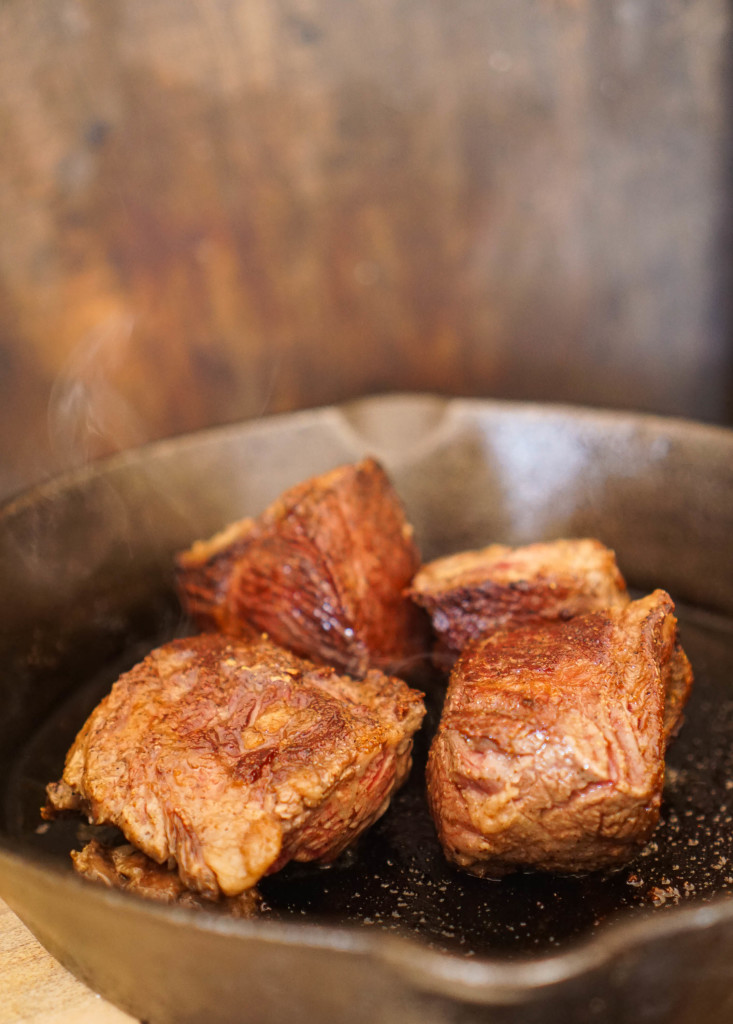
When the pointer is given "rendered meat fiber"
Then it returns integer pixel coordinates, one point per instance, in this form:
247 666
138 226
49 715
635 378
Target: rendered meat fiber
322 571
229 758
498 587
550 750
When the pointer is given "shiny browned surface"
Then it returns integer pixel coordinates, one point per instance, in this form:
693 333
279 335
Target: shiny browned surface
322 571
678 678
550 750
232 759
498 587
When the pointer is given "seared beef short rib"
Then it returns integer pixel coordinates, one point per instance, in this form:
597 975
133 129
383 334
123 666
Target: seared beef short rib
228 758
474 592
322 571
550 750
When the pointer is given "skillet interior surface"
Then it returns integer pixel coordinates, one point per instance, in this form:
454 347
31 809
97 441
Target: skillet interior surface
88 591
397 878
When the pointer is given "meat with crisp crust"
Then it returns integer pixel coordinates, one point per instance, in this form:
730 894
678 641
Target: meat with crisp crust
322 571
125 868
550 750
228 758
498 587
678 679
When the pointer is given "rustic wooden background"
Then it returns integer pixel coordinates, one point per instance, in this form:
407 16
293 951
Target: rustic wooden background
223 208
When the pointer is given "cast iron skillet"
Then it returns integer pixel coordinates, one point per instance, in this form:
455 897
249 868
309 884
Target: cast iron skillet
391 932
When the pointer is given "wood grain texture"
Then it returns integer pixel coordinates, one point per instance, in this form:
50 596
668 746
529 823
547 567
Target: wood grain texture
35 989
216 209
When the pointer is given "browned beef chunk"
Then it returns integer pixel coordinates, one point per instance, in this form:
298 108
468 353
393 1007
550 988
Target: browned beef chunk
322 571
124 867
550 750
229 758
472 592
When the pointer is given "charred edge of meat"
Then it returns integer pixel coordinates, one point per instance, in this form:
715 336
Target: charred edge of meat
203 576
129 870
474 592
678 678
